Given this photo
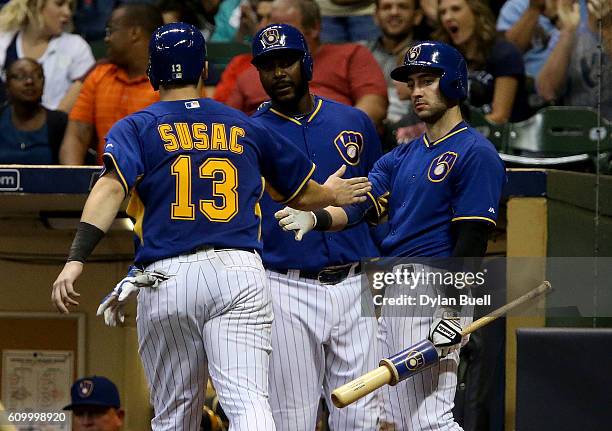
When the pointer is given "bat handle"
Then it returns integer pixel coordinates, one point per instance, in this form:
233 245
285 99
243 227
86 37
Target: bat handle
361 386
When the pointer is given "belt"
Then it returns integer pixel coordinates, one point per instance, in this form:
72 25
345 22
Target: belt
209 247
328 275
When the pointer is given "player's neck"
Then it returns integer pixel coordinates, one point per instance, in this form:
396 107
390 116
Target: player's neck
304 106
444 124
180 93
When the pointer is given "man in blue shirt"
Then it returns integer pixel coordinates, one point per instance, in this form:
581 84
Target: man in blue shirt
319 336
193 168
440 194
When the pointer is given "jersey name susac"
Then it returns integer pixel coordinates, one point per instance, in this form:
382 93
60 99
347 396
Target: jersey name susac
195 175
196 136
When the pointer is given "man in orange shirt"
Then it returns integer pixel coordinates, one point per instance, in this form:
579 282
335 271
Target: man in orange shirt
115 89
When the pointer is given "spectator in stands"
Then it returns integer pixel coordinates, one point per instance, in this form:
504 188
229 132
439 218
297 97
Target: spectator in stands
241 62
36 29
396 20
31 134
250 19
178 11
528 24
115 89
347 73
347 20
572 71
95 405
496 69
90 17
424 29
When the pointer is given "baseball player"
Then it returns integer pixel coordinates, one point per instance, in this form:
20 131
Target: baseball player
319 338
441 194
194 168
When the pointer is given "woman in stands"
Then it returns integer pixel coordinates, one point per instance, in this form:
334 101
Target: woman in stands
31 134
496 69
36 29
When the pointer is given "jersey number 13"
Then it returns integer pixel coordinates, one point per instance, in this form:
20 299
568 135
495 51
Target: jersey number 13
224 177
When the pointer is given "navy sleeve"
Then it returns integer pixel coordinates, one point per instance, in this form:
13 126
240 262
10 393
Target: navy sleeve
283 164
480 179
123 152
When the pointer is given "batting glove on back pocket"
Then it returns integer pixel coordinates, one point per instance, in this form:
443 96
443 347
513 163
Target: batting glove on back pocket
445 331
112 306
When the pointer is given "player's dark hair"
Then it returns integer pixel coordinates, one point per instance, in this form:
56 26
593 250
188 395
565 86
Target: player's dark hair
143 15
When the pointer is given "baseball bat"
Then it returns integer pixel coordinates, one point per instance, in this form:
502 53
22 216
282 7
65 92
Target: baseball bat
416 358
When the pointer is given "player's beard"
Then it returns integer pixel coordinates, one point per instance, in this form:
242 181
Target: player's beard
290 104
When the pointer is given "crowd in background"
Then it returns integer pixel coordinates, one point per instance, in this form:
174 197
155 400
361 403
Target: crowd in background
58 103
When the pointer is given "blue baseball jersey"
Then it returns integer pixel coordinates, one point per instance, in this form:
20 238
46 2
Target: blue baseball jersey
194 168
332 135
457 177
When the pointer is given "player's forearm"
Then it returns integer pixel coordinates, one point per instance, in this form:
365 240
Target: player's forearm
552 75
103 202
375 106
76 141
313 197
338 218
521 33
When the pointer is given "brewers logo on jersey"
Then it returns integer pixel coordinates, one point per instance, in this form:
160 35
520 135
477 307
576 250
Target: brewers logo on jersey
423 178
349 143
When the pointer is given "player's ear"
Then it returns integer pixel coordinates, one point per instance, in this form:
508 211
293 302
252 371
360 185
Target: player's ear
205 71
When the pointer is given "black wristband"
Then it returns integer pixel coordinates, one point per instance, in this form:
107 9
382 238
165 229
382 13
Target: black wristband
86 238
324 220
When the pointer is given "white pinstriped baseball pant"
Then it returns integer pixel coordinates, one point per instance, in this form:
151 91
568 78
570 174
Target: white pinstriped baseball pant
213 315
320 340
424 401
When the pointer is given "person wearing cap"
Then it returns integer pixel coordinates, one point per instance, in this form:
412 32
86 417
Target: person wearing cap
95 405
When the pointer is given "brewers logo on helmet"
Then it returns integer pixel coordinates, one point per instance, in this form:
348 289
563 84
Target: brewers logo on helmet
271 37
282 37
441 58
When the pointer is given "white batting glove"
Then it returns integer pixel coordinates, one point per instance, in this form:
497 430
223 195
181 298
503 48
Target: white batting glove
445 331
300 222
112 306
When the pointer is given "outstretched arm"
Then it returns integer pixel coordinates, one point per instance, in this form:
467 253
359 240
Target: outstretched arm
335 191
100 210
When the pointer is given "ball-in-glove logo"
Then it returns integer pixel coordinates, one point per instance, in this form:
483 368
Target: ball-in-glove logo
271 37
441 166
414 52
85 388
414 360
349 145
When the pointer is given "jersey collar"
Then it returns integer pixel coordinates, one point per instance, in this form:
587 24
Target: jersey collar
457 129
317 103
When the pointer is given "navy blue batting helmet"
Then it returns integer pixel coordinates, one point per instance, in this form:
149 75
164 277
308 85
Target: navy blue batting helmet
177 53
282 36
441 57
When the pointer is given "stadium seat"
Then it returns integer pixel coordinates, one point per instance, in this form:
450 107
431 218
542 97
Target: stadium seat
219 55
558 131
563 379
496 133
